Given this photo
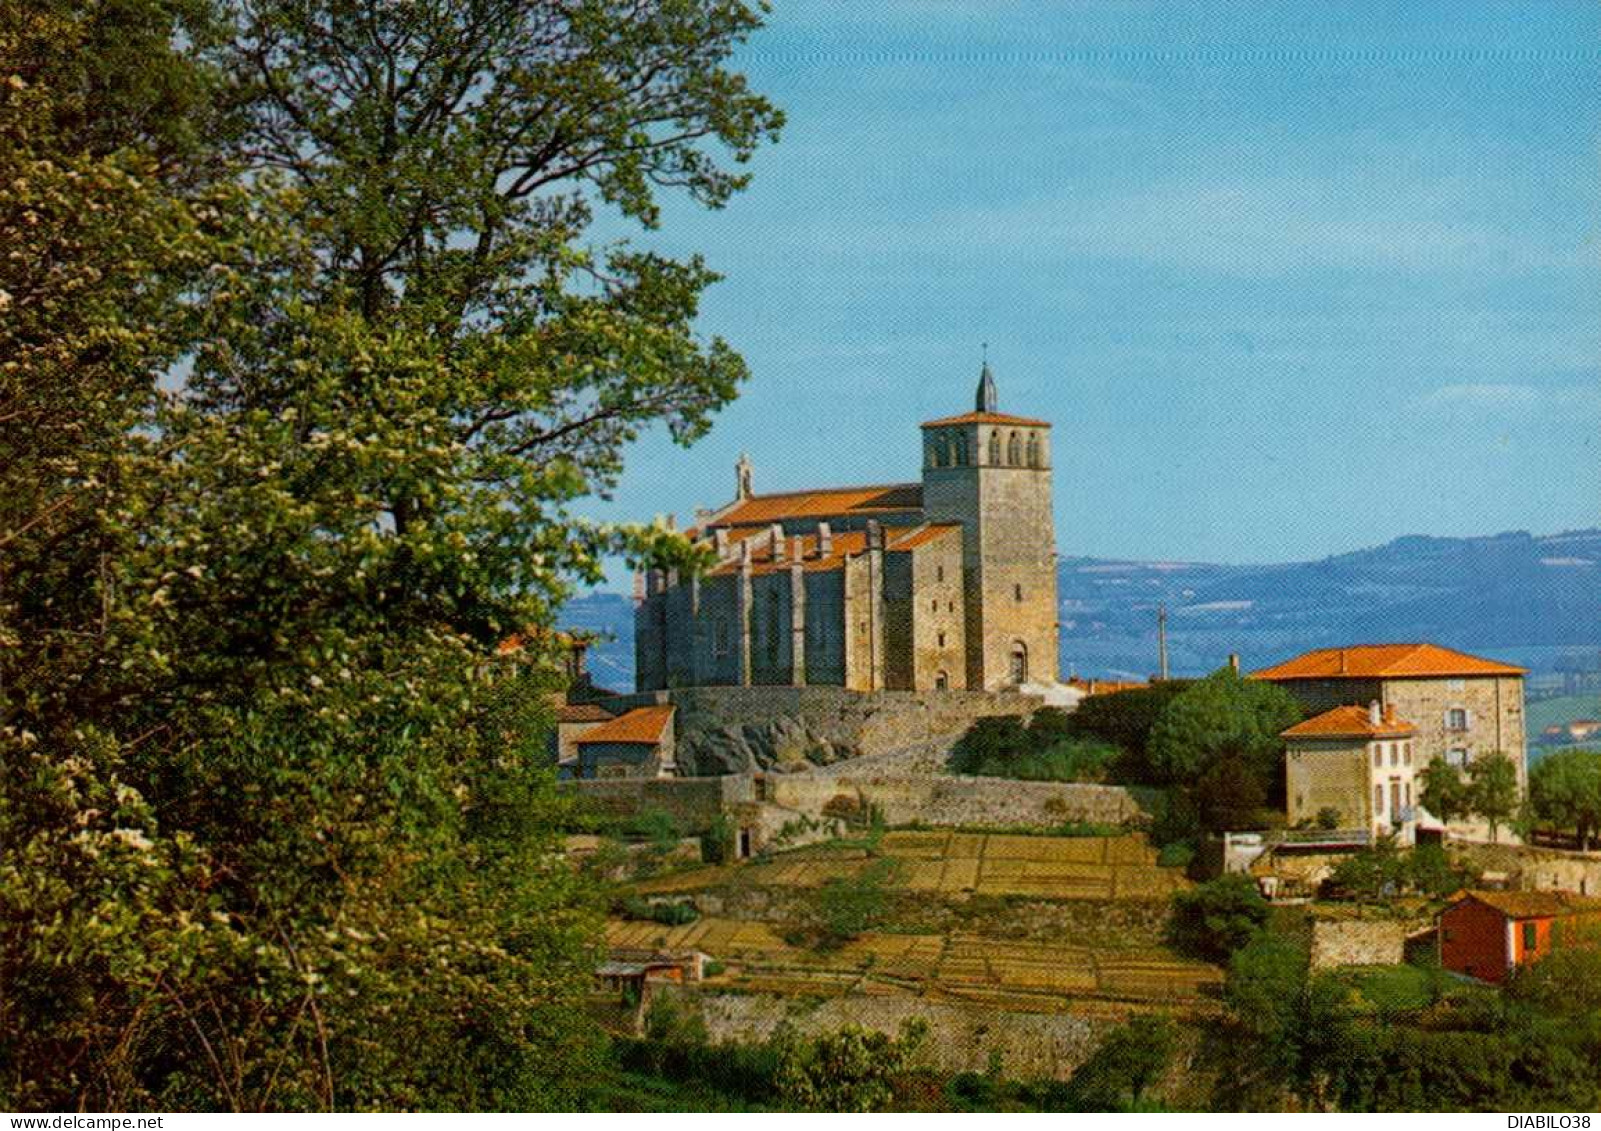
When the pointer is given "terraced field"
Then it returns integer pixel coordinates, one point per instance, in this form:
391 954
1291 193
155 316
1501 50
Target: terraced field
955 863
1007 974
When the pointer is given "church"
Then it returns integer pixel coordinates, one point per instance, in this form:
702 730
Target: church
947 583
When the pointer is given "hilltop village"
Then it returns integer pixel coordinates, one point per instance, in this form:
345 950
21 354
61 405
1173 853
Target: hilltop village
860 695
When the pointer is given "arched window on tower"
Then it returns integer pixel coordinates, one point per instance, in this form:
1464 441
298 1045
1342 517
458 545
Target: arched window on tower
1034 449
936 452
995 449
961 449
1019 662
1014 451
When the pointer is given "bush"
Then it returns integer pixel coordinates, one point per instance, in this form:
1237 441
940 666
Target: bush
1217 918
717 844
1125 719
848 1070
1117 1074
847 906
671 914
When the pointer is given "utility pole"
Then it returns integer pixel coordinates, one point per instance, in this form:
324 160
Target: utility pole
1161 641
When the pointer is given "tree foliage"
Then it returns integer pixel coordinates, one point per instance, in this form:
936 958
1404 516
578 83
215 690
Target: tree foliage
1493 790
847 1070
1444 790
304 366
1122 1069
1217 918
1565 793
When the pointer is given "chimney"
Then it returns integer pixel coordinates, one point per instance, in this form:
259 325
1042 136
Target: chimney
825 540
875 535
1375 713
775 542
1234 662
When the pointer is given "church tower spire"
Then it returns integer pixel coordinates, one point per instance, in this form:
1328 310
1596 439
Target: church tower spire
986 400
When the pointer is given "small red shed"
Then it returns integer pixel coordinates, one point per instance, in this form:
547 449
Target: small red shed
1485 934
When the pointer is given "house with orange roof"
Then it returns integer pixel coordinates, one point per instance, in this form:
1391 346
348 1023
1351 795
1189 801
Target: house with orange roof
1461 707
1353 768
635 744
948 583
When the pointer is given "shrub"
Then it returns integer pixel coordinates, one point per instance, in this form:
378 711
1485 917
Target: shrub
1117 1074
675 913
1217 918
847 906
848 1070
1328 818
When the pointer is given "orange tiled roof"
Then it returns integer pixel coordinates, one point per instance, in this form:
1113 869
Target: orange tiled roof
1533 904
642 725
988 418
582 713
1105 686
767 509
1385 661
847 543
1354 722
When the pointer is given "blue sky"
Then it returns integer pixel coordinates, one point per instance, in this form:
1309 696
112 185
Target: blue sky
1289 280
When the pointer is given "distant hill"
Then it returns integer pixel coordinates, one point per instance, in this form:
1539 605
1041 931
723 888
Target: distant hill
1531 600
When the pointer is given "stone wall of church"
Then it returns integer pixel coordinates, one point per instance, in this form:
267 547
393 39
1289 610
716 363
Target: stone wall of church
1017 573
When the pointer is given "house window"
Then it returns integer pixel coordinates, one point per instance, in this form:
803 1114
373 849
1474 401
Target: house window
1395 799
1378 756
1456 718
1395 753
1378 801
941 681
1531 937
1457 756
1406 748
1407 793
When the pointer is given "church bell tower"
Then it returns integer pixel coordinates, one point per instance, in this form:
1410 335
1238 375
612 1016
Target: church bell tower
991 472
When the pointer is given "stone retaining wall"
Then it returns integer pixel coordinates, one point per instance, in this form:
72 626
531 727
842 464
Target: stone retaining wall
694 801
961 1037
730 730
1358 942
949 800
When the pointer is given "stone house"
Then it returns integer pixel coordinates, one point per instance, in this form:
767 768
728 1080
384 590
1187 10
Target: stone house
1357 762
1488 934
573 721
636 744
1461 707
944 584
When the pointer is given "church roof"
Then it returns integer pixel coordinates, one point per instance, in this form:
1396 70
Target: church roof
821 504
1350 722
988 418
1385 661
846 543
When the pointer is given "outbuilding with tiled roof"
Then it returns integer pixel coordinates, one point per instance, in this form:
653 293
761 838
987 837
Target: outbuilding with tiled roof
1353 768
637 743
1488 934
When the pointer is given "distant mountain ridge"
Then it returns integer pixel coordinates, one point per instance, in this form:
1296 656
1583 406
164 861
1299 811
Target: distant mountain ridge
1533 600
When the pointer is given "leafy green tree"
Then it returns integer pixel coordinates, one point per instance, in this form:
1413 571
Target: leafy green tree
1125 719
1565 982
1565 793
1492 791
1224 716
1217 918
847 1070
275 828
1230 795
1444 791
1122 1069
1372 873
